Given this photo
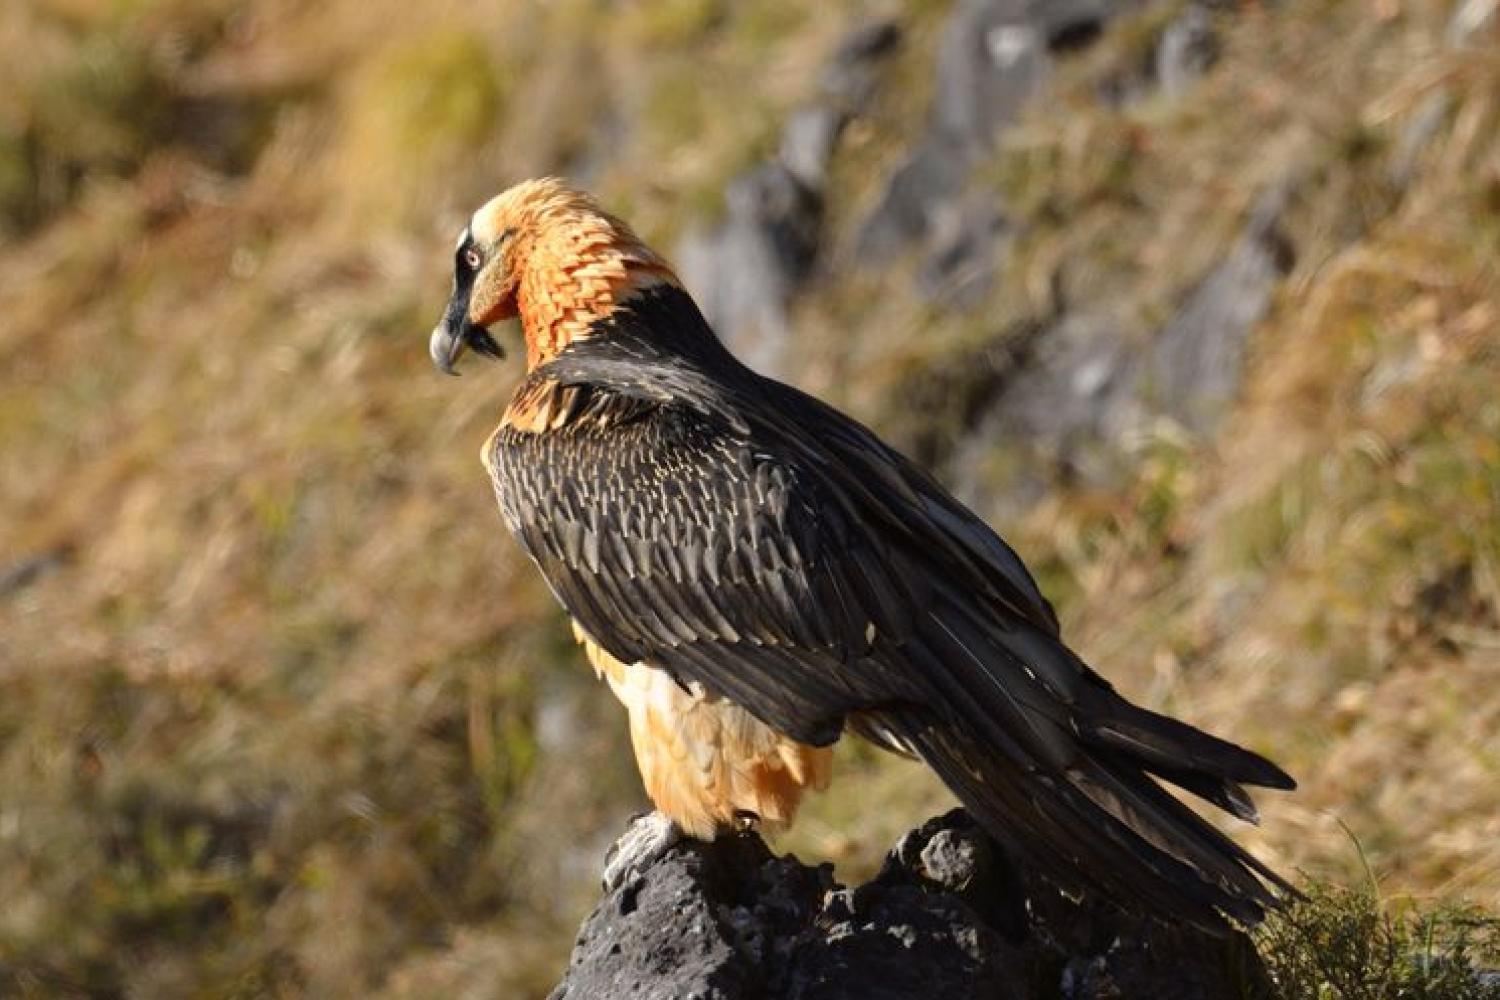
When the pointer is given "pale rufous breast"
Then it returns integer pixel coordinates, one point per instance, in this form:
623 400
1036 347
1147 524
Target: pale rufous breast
707 763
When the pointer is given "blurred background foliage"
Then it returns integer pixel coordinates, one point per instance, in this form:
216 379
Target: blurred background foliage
283 712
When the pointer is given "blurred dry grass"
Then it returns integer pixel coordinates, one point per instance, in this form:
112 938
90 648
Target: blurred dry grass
283 713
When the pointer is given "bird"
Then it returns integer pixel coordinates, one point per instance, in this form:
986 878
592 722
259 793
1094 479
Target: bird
756 574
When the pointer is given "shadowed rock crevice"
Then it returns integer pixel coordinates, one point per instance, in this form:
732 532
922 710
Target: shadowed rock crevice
946 916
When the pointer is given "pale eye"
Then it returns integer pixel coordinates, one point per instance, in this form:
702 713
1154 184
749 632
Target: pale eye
472 259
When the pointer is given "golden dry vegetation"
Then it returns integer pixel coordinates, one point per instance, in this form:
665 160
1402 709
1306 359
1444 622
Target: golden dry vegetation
284 713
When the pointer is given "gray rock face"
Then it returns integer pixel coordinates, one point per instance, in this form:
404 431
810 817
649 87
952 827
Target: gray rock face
1196 361
993 56
1065 400
1185 51
969 238
945 917
745 270
1068 391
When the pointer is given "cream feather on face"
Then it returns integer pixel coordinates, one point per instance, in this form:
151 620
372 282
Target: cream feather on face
491 234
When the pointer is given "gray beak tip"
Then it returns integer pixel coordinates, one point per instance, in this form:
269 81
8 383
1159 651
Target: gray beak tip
444 347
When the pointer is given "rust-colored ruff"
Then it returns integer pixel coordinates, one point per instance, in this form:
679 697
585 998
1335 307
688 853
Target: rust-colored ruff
560 261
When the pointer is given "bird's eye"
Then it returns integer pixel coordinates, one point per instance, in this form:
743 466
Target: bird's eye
472 259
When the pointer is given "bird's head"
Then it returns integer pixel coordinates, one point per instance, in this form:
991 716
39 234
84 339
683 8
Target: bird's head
545 252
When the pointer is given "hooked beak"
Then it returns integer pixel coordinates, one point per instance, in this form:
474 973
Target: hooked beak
455 332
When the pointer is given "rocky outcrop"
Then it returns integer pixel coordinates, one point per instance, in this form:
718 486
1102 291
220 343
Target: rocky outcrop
947 916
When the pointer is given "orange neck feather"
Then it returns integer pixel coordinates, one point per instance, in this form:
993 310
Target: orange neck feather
579 268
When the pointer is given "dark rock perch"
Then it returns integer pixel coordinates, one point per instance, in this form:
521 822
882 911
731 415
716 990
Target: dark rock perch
945 917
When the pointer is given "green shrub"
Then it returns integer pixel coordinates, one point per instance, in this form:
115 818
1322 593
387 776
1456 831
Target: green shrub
1350 944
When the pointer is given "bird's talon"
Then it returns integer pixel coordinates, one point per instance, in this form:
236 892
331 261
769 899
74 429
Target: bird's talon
650 836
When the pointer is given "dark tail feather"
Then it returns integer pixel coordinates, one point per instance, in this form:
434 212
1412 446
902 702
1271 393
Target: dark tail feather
1211 768
1221 792
1057 766
1189 758
1161 741
1136 846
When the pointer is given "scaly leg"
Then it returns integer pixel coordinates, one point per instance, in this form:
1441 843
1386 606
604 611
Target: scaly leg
650 837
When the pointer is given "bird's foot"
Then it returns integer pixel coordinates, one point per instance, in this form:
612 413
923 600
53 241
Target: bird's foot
650 836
